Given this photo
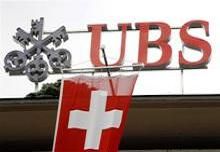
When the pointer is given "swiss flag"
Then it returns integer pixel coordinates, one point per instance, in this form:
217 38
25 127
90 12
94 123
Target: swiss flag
92 113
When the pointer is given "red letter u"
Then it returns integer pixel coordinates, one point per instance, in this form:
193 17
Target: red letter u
95 43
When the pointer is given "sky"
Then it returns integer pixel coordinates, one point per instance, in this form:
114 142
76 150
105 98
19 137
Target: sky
77 14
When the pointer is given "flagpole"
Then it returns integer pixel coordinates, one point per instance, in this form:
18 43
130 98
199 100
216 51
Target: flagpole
108 71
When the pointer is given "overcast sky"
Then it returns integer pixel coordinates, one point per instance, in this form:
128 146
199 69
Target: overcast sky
77 14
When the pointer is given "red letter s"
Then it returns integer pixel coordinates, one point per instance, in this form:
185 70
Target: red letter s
195 43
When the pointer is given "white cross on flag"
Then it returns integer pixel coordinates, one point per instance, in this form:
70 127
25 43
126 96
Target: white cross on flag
92 113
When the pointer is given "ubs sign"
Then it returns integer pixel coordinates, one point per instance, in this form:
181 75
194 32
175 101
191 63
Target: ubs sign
30 61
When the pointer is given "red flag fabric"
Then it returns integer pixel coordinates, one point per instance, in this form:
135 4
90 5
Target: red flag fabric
92 113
